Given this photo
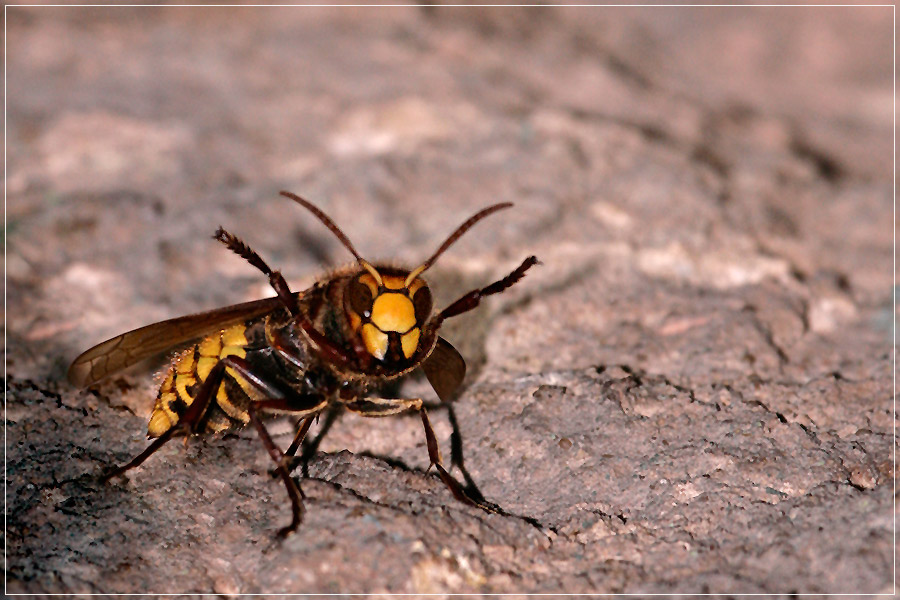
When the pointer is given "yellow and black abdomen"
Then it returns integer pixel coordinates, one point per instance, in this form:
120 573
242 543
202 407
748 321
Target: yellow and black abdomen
228 409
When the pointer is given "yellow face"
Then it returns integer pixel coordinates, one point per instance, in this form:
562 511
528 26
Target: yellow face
388 315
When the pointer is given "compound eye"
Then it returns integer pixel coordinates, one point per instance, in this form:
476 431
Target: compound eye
422 304
360 299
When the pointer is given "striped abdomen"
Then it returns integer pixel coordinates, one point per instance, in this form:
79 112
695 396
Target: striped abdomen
189 370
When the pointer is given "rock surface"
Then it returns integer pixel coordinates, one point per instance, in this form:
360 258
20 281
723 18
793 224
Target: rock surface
692 394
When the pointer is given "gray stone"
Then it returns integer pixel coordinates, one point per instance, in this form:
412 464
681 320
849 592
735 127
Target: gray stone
693 393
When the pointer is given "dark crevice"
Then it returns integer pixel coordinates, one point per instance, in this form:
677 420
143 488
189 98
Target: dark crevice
767 335
628 72
826 166
704 154
636 375
14 384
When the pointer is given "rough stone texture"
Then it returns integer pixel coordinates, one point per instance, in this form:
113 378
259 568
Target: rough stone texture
692 394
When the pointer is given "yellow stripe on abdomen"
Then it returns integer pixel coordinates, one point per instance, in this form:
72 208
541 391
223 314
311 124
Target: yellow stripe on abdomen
184 375
163 418
234 340
192 367
172 391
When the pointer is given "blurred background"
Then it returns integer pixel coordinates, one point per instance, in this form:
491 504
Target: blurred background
709 189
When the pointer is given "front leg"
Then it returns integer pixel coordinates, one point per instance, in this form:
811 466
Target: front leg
276 279
383 407
473 298
334 352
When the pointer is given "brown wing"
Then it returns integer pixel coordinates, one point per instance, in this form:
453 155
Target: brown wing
445 369
127 349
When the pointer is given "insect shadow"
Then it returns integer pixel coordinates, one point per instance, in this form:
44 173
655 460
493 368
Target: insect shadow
311 447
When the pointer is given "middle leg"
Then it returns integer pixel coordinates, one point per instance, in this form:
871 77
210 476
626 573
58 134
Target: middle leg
306 405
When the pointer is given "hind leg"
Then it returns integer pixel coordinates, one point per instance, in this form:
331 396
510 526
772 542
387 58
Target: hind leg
305 405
